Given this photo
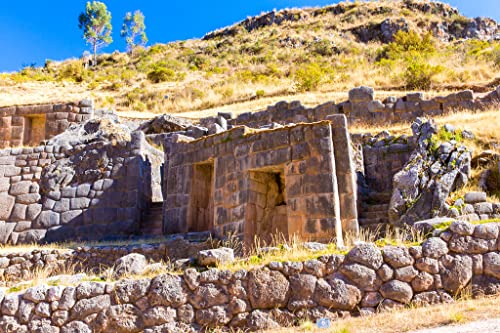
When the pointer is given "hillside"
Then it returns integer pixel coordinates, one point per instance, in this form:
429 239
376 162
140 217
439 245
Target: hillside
407 45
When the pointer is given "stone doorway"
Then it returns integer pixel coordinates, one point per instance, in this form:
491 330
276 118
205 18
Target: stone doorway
201 207
34 130
267 216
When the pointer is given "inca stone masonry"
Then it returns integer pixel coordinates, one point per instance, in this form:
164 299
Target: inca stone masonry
286 170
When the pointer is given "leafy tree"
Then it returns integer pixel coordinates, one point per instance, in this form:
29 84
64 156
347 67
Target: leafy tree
96 25
133 28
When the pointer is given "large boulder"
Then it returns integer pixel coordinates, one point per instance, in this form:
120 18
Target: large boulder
436 168
131 264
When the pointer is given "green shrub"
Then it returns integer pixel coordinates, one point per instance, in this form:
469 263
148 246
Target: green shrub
160 73
260 93
308 77
73 71
419 74
323 48
408 44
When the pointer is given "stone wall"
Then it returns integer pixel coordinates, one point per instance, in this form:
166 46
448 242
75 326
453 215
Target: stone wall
366 280
29 125
23 266
383 157
259 183
362 107
91 191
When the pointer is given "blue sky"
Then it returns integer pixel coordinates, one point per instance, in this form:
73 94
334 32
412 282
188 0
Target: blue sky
32 31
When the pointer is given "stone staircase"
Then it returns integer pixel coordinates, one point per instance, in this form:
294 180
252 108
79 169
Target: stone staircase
152 220
373 210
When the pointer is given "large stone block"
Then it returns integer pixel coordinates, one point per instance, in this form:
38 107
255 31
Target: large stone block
6 206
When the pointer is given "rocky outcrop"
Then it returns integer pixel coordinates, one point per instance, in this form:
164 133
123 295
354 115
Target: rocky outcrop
438 166
164 124
367 280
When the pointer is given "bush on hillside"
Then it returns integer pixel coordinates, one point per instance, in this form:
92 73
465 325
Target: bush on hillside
308 77
409 44
419 74
161 73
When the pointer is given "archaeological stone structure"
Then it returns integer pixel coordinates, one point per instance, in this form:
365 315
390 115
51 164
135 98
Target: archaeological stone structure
362 282
29 125
288 170
260 183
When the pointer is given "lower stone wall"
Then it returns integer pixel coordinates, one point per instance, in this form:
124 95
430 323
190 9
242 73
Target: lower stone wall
23 266
366 280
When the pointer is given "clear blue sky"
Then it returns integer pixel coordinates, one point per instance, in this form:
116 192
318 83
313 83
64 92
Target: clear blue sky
32 31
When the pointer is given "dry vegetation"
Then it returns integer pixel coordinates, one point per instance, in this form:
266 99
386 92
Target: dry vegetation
406 320
317 53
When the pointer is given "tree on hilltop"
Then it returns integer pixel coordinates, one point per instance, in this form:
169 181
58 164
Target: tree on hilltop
96 25
133 28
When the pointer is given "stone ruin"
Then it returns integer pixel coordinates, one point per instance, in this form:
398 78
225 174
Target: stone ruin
286 170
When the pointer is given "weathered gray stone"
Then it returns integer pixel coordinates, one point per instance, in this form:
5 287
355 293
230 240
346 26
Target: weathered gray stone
131 264
491 263
397 257
167 290
360 276
336 294
213 317
208 295
456 272
428 265
434 247
85 307
267 289
397 291
89 290
475 197
366 254
215 256
6 206
422 282
159 315
76 327
129 291
486 231
462 228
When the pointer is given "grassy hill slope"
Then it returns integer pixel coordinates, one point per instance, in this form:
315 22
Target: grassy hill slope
389 45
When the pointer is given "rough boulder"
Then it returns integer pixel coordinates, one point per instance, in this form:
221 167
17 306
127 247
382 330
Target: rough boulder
438 166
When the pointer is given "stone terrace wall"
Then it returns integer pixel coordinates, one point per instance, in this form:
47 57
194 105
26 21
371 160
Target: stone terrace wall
362 107
366 280
260 183
29 125
96 191
22 266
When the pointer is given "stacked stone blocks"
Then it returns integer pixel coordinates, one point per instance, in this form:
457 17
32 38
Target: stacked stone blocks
366 280
300 159
31 124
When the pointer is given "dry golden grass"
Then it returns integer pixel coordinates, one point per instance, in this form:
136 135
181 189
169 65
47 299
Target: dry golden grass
412 318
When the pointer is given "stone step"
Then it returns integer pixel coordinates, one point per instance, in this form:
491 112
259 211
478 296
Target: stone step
376 208
365 221
380 197
374 215
152 231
